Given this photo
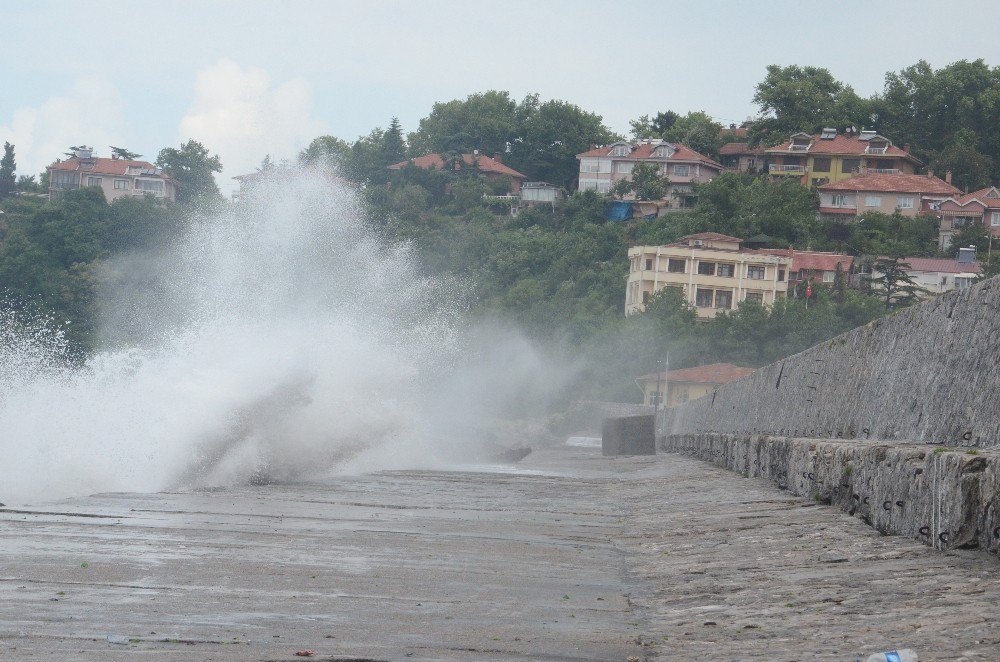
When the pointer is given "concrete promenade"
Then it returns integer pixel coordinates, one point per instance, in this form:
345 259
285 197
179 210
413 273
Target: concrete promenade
575 556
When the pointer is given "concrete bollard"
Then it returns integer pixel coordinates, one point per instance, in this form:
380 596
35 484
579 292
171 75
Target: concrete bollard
629 435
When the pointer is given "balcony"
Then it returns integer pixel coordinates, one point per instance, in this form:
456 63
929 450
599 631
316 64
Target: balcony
778 169
876 150
881 171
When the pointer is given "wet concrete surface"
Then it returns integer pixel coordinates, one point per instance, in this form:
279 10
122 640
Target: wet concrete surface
573 557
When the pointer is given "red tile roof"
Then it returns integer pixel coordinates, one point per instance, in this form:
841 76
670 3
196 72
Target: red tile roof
435 162
843 145
899 183
941 265
980 197
645 151
103 166
715 373
838 210
730 149
816 261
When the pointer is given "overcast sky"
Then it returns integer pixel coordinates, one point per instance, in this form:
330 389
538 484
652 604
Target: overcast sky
250 78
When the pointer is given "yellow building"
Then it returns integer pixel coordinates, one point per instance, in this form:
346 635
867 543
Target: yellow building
710 270
678 386
831 157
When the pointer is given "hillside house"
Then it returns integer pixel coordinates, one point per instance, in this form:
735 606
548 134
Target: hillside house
118 178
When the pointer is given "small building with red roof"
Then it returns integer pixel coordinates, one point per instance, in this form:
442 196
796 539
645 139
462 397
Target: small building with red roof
910 195
118 178
491 169
830 157
711 272
939 275
740 157
957 211
676 387
602 166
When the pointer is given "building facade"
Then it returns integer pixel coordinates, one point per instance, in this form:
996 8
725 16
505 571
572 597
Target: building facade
740 157
676 387
910 195
940 275
831 157
490 169
956 212
711 271
118 178
602 167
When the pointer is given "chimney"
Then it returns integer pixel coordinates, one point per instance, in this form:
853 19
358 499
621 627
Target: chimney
498 157
947 177
930 173
593 146
906 147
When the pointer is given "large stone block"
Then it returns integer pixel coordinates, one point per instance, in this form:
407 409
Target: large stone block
629 435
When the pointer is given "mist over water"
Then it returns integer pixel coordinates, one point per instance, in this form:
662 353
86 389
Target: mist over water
278 339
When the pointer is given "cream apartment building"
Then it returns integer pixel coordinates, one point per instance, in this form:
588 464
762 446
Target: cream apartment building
710 270
118 178
910 195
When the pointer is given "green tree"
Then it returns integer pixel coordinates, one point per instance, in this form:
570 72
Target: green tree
972 234
890 280
393 145
122 153
193 168
487 121
970 170
646 183
550 137
796 98
645 127
8 180
27 184
326 150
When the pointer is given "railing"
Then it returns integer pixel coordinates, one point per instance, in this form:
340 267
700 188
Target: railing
790 169
875 150
882 171
502 198
798 148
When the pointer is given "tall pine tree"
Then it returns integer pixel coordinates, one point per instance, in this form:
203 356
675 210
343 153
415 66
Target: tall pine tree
7 167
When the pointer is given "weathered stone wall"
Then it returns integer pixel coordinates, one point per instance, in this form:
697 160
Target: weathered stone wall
929 374
943 497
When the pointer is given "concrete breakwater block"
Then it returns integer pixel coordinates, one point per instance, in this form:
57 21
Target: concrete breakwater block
629 435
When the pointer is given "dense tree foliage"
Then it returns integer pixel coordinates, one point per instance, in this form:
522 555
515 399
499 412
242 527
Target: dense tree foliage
193 168
8 166
696 130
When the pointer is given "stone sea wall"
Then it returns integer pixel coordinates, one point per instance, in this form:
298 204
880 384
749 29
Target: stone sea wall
929 374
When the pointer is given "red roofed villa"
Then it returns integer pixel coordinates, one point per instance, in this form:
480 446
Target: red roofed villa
490 169
118 178
957 211
601 167
678 386
910 195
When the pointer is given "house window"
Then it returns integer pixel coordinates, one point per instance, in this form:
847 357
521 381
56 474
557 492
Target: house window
839 200
93 181
821 165
589 165
726 270
850 166
828 276
649 265
995 219
703 298
645 297
960 221
755 296
621 150
873 201
149 185
682 170
781 275
723 299
962 282
904 202
755 272
121 184
676 266
63 180
706 268
603 186
624 168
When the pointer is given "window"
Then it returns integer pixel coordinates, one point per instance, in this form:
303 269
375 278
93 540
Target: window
602 186
904 202
839 200
873 201
621 150
706 268
93 181
960 221
121 184
755 271
682 170
726 270
676 266
821 164
149 185
962 282
723 299
703 298
645 297
589 165
781 275
848 166
995 219
63 180
649 265
624 168
755 296
828 276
